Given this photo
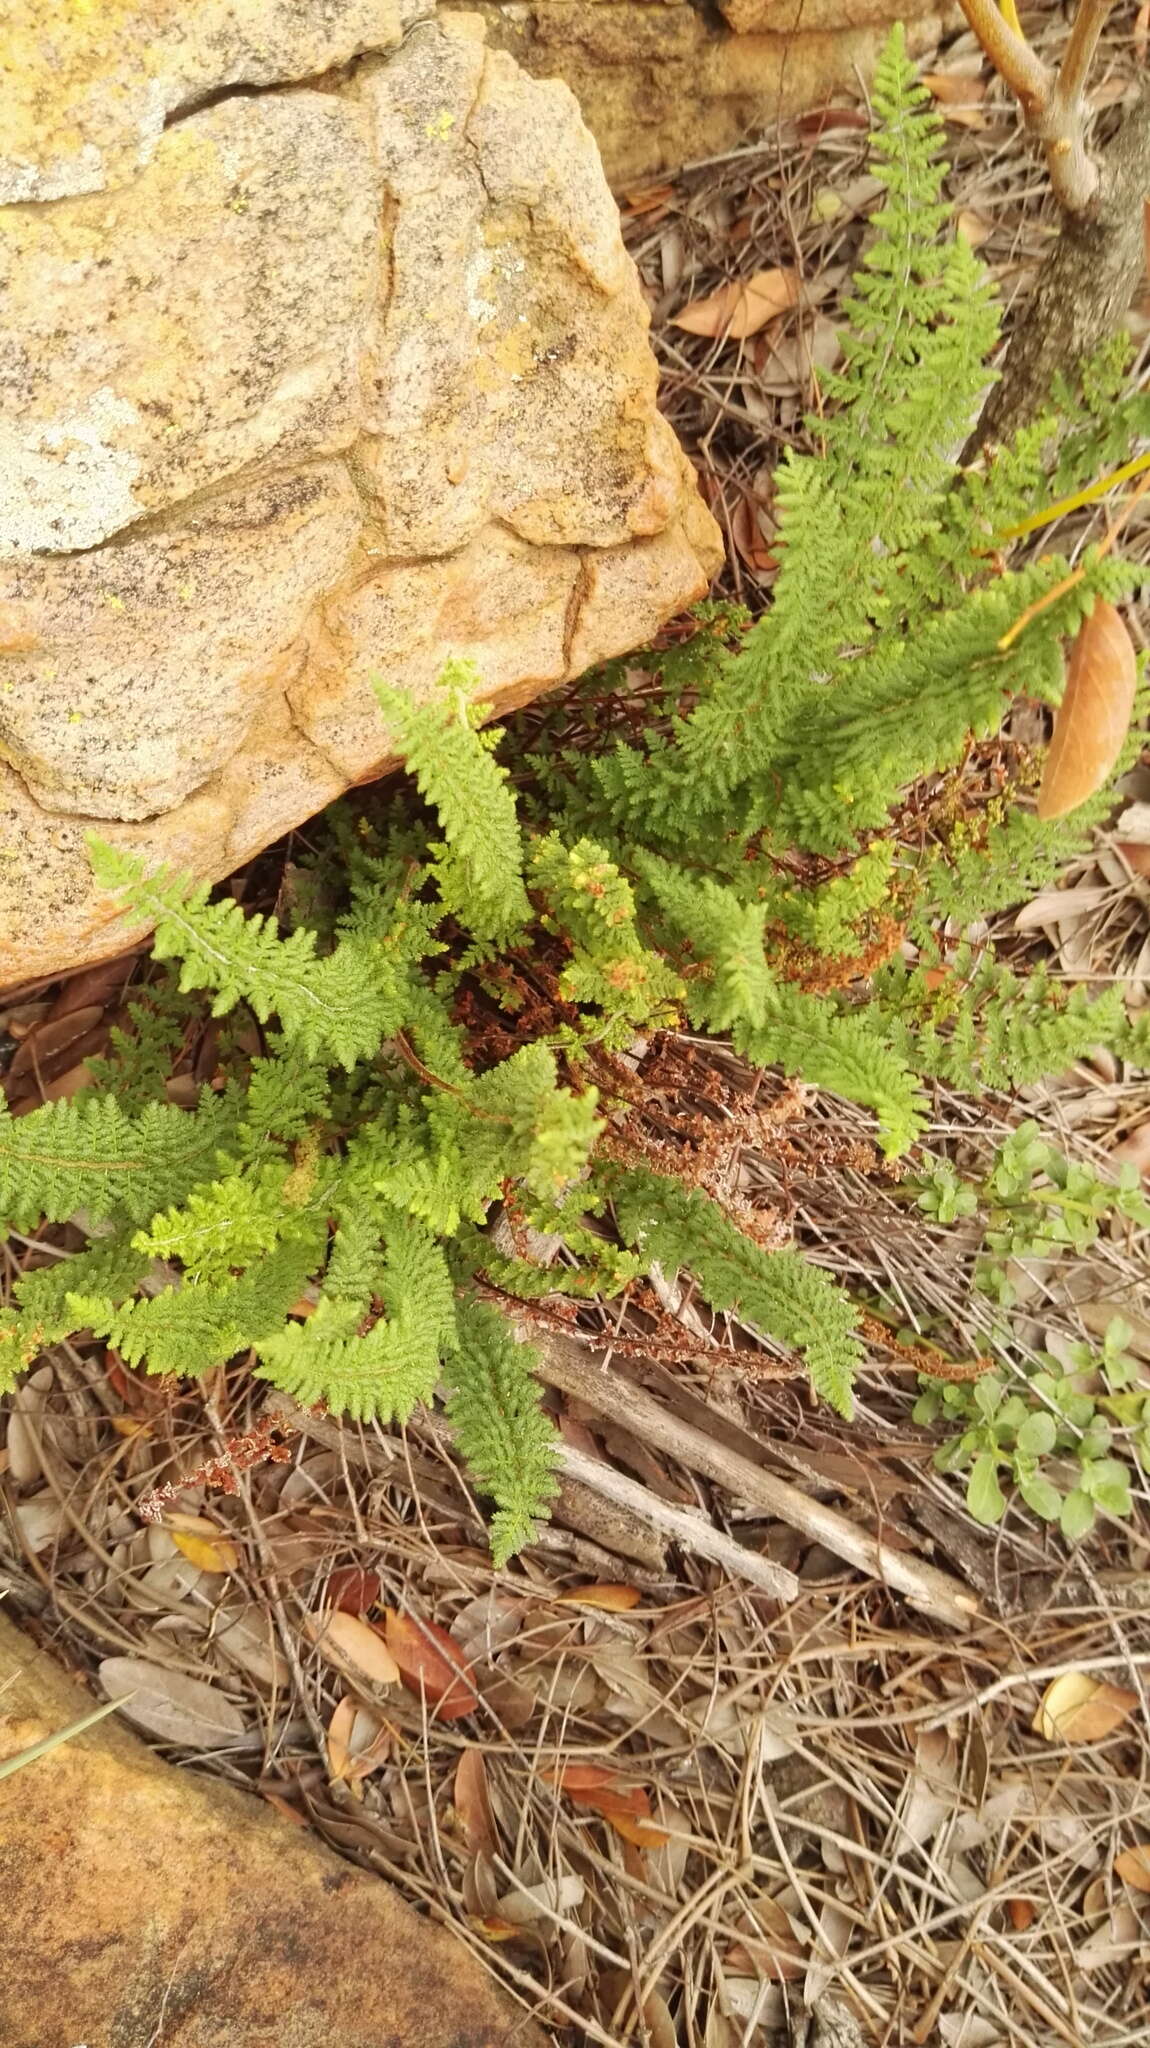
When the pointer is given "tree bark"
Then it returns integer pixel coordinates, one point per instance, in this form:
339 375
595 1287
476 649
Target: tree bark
1084 288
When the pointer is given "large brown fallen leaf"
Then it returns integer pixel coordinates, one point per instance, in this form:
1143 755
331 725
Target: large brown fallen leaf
1078 1708
170 1706
742 306
352 1647
430 1662
1093 718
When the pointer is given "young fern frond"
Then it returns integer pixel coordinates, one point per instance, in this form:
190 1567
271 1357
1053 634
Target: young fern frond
480 867
777 1292
494 1406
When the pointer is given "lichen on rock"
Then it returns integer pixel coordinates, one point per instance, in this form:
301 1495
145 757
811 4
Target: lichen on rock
341 371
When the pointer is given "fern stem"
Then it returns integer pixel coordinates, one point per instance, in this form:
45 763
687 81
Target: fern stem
1074 503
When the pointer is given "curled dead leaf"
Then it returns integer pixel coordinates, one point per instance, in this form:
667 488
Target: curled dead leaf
357 1742
430 1662
1078 1708
742 306
1093 718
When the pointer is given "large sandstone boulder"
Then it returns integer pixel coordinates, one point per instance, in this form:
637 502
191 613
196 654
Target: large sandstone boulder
321 358
149 1907
665 82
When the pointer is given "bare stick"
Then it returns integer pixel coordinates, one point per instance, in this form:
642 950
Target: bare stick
1078 56
1054 106
563 1364
1011 54
690 1532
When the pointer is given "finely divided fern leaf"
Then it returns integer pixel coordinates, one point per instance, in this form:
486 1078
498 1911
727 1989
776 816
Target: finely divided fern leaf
340 1006
88 1154
494 1406
777 1292
480 868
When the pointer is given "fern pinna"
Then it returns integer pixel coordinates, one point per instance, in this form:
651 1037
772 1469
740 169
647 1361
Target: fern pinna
745 865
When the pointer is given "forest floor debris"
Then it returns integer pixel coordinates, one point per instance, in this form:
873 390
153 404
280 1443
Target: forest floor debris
683 1809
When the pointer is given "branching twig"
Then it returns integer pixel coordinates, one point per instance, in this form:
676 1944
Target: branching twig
1054 104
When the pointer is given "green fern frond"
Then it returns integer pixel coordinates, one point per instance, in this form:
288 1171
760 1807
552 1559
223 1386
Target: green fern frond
495 1408
231 1222
383 1373
480 868
188 1328
340 1007
88 1154
778 1293
590 902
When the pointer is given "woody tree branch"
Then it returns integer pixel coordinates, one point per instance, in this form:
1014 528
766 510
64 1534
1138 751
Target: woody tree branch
1086 284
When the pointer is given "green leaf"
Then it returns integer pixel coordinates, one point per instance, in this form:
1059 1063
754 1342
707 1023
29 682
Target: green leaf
984 1495
1037 1434
1040 1496
1077 1517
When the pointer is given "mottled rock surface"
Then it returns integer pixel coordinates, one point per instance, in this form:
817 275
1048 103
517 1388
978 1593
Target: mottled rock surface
146 1905
667 82
321 359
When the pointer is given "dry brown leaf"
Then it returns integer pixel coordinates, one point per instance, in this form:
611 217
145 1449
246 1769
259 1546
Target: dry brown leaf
1061 906
955 88
768 1944
247 1637
492 1928
625 1807
742 306
611 1599
1133 1867
528 1904
431 1662
170 1706
1115 1943
972 227
351 1590
824 118
1093 718
1135 1150
747 534
352 1647
472 1802
357 1742
214 1553
41 1052
1079 1708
